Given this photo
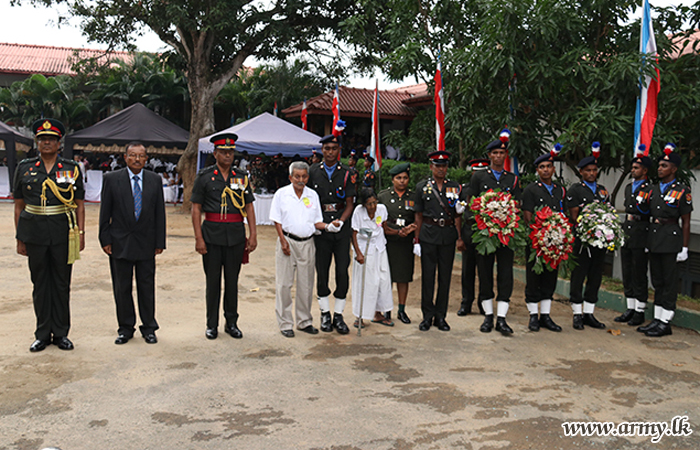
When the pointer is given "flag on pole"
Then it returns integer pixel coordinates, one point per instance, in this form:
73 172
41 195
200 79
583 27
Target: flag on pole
375 150
647 106
275 110
336 111
304 114
439 109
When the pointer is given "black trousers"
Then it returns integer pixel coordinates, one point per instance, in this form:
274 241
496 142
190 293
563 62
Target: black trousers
504 278
538 287
333 246
469 274
664 277
590 268
228 259
122 271
51 278
440 257
634 273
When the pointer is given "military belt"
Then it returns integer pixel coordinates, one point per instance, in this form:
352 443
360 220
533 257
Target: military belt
637 218
441 222
333 207
665 221
47 210
297 238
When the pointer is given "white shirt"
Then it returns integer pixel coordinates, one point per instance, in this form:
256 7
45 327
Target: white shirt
131 179
360 220
297 216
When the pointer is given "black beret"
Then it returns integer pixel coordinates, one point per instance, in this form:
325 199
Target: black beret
400 168
587 161
329 138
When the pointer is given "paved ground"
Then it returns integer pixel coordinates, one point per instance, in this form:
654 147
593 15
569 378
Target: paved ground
392 388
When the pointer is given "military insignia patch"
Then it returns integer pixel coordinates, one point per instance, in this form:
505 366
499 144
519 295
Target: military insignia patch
688 198
46 125
353 178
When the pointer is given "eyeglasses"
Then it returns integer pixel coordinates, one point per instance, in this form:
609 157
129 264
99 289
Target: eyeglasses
47 139
133 156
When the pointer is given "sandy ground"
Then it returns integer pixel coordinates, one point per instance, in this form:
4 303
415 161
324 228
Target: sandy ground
391 388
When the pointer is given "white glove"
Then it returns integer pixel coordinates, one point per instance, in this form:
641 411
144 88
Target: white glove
332 228
460 207
683 255
416 250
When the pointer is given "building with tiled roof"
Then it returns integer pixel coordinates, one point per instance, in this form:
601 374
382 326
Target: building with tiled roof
395 110
18 61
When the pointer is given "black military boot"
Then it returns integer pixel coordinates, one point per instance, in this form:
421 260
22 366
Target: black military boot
232 330
502 326
662 329
487 326
548 323
591 321
653 324
465 308
339 324
534 324
637 319
578 321
625 316
326 324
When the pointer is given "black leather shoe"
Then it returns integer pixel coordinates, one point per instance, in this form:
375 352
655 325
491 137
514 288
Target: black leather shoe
662 329
233 331
425 325
339 324
548 323
441 324
211 333
63 343
578 321
309 329
38 345
637 319
287 333
403 317
465 308
502 326
150 338
487 326
625 317
591 321
650 326
534 324
121 339
326 323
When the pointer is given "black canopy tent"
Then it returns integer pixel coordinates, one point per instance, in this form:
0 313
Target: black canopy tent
11 138
135 123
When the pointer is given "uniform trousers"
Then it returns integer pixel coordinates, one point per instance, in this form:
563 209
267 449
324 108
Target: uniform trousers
333 246
51 279
634 273
228 258
122 271
300 265
590 268
469 274
664 277
541 286
441 257
504 278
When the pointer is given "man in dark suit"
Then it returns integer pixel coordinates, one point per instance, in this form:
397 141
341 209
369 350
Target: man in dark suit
132 233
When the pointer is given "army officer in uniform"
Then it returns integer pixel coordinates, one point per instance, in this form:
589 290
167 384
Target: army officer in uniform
438 227
399 230
50 222
223 196
669 200
335 185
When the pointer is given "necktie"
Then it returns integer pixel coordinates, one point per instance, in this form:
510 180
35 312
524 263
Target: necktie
137 197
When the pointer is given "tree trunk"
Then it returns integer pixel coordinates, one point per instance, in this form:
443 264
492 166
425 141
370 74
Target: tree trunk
201 124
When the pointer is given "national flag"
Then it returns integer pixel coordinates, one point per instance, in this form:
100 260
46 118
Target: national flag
304 114
439 109
275 110
375 150
335 107
649 87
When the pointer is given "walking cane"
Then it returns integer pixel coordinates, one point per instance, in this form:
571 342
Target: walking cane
368 234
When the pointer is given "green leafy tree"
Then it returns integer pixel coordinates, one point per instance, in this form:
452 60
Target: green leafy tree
213 39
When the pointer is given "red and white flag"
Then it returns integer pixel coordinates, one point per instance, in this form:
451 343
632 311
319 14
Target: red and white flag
375 150
275 110
304 115
647 106
439 109
336 111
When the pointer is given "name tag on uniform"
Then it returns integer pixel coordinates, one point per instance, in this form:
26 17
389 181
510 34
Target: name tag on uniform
401 222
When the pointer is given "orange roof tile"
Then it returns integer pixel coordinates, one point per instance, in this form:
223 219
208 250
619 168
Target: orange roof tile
356 102
684 45
46 60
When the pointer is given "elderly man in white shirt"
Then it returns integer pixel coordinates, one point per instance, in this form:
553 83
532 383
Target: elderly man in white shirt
296 212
